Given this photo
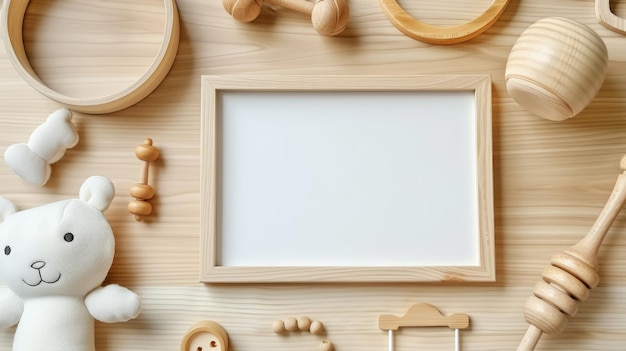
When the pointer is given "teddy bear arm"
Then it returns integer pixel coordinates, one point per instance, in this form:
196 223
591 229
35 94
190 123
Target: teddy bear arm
113 303
11 308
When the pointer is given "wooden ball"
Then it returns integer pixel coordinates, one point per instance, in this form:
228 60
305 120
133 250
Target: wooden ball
291 324
326 345
556 67
330 17
142 191
304 323
140 208
147 152
278 326
316 327
243 10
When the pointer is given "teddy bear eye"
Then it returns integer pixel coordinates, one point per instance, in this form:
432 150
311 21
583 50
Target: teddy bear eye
7 250
68 237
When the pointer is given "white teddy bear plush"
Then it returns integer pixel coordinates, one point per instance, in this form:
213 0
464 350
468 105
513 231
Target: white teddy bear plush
54 259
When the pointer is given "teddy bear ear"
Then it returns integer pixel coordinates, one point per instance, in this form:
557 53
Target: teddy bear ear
97 191
7 208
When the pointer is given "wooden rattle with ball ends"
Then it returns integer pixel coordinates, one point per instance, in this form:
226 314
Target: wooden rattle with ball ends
141 191
329 17
571 274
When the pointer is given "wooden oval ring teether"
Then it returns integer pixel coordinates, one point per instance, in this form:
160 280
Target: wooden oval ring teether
419 30
12 18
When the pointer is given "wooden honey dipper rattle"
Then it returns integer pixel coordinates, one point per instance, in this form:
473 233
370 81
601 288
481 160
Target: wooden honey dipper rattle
142 191
329 17
571 274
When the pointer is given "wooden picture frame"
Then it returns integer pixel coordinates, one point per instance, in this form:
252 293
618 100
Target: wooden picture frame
408 199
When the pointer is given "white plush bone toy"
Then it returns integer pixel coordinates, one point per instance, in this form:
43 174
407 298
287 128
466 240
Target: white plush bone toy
46 145
54 259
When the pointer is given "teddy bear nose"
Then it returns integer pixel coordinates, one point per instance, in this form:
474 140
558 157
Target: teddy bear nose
38 264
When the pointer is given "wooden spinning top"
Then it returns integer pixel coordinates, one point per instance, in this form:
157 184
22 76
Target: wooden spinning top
571 274
141 191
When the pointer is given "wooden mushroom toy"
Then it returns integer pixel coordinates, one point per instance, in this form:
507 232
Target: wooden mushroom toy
571 274
141 191
329 17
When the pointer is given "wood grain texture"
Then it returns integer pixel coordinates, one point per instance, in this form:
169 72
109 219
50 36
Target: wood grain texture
551 178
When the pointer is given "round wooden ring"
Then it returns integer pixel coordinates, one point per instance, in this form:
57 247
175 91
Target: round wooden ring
419 30
608 19
12 19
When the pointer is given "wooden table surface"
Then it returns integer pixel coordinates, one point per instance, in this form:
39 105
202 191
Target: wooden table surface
551 179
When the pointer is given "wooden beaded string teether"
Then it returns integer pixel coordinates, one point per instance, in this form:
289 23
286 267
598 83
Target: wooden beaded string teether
423 315
293 324
303 323
141 191
571 274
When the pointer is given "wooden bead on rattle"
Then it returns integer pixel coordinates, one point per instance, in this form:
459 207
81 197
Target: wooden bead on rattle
329 17
142 191
571 274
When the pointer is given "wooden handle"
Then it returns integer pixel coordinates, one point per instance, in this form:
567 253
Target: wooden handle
302 6
416 29
572 273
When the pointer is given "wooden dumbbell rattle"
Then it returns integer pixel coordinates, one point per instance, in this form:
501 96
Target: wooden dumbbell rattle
141 191
329 17
571 274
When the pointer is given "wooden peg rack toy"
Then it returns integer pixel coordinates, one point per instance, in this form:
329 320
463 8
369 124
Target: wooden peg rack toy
423 315
571 274
141 191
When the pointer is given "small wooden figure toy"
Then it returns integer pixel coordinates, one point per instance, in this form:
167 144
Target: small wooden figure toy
329 17
46 145
571 274
141 191
424 315
205 336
